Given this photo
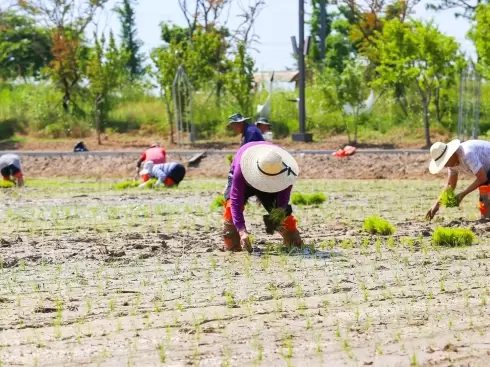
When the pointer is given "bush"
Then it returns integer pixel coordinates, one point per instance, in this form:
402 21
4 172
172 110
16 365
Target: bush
376 225
453 237
218 203
308 199
7 128
6 184
449 199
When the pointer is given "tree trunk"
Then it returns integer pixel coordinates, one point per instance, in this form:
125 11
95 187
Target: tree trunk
400 98
97 102
437 104
170 119
425 102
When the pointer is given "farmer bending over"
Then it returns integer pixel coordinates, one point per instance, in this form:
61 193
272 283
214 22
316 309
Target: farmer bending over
155 154
169 174
11 169
267 171
471 157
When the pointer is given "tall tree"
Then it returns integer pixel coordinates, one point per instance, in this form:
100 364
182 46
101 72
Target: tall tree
130 39
68 20
239 79
480 35
24 47
416 53
349 87
105 73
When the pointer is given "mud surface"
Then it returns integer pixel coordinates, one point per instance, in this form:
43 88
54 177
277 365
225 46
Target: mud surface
91 276
215 166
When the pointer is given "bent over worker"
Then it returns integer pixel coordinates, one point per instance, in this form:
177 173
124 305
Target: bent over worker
471 157
11 169
155 154
268 172
168 174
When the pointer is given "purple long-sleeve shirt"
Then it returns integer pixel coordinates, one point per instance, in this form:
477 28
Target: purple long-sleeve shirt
237 193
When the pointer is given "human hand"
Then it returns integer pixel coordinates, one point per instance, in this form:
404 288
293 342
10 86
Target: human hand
245 241
432 211
460 197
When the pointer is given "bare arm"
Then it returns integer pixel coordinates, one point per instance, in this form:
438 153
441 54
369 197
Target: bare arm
481 178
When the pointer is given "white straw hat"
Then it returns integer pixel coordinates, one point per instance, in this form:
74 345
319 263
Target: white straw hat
269 168
440 154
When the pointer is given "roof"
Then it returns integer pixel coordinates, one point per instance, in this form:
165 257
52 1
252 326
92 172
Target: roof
279 76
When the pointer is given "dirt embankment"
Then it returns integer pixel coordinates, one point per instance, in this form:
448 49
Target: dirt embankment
361 166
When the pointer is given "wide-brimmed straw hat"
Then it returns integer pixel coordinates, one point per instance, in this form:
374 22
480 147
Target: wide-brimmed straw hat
269 168
440 154
237 118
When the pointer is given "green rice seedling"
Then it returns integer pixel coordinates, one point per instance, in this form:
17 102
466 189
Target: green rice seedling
449 199
308 199
376 225
274 220
6 184
229 159
218 203
126 185
453 237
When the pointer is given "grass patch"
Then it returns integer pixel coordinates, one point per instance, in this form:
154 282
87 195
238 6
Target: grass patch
6 184
218 203
453 237
449 199
308 199
376 225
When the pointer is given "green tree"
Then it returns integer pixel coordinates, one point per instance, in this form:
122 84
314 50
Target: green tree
68 20
24 48
416 53
105 73
129 38
239 78
347 91
480 35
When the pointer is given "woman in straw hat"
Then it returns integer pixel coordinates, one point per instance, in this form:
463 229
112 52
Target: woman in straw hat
268 172
471 157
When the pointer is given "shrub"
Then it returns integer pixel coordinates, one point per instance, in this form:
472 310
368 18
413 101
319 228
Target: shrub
449 199
376 225
453 237
6 184
308 199
218 203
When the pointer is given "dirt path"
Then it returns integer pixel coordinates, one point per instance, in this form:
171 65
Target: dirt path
403 166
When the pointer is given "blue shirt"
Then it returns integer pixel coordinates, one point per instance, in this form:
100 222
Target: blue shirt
162 170
251 133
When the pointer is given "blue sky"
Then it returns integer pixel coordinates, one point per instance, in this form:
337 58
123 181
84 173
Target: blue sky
275 25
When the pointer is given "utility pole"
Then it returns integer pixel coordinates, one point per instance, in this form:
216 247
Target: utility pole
302 135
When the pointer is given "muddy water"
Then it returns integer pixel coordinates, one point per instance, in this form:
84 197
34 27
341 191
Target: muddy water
138 278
